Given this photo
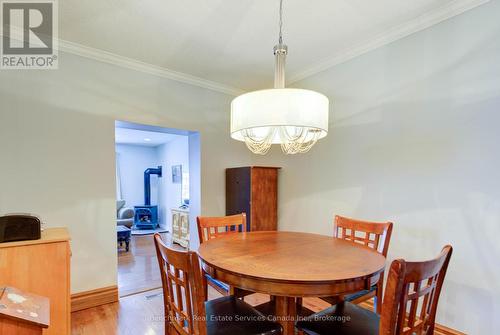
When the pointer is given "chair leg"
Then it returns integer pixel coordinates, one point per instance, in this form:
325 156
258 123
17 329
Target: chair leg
169 330
205 287
298 303
377 300
378 297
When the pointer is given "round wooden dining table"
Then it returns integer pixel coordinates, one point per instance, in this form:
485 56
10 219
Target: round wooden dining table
288 265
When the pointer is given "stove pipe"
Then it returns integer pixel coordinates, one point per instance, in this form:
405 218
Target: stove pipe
147 183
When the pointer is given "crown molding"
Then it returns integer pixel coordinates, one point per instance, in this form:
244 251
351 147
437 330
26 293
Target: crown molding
129 63
421 22
132 64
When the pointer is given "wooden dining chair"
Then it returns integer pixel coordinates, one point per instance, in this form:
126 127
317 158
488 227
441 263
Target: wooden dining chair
409 306
213 227
372 235
187 313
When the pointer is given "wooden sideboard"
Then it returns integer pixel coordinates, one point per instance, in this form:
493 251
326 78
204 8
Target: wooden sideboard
42 267
253 190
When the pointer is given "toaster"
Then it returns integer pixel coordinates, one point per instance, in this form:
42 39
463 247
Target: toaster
19 227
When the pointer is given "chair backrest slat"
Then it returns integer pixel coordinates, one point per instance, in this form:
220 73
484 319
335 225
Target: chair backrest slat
213 227
371 233
409 285
182 284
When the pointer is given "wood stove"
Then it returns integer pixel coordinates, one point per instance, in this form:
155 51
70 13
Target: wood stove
146 216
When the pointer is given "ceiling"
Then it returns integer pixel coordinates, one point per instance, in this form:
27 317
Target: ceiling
142 137
229 42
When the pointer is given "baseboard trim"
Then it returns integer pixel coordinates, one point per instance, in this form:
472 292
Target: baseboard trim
438 329
93 298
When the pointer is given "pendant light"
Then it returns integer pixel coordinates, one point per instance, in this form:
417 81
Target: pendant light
292 117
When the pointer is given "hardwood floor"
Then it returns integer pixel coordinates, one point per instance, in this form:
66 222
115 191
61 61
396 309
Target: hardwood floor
135 314
142 314
138 268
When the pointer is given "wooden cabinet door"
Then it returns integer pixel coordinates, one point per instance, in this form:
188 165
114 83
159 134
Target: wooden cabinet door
238 192
184 230
254 191
175 225
264 199
41 269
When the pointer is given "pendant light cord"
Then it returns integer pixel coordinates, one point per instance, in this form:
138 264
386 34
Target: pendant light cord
280 40
280 51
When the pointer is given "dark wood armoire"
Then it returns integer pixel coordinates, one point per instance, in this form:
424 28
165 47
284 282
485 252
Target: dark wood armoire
254 191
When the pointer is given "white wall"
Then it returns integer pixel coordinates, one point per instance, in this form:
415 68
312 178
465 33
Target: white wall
194 190
414 139
175 152
57 149
133 160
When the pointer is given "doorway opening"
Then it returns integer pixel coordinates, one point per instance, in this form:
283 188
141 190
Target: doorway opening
157 191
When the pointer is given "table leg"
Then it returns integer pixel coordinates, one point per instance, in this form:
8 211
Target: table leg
286 314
